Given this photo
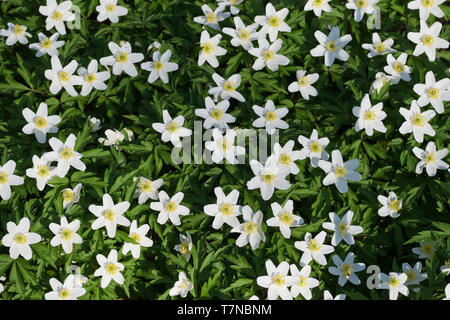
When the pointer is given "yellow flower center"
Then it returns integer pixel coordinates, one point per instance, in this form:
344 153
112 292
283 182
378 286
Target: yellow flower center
427 248
427 3
229 86
314 245
64 294
279 280
285 159
250 228
430 157
303 82
184 248
90 78
428 40
268 55
315 147
66 153
136 237
20 238
399 67
122 57
217 114
3 178
271 116
418 120
369 115
433 93
380 47
110 7
447 263
362 3
211 17
40 122
111 268
243 34
268 177
146 186
226 209
287 217
226 145
67 234
332 46
208 48
157 65
346 269
46 43
302 282
171 206
43 171
57 15
394 281
63 76
395 205
340 171
109 215
317 3
68 195
18 29
343 228
411 275
173 126
274 21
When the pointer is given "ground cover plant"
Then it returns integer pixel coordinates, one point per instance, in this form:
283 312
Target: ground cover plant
351 203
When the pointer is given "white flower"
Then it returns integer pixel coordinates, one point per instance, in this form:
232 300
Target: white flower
273 22
231 3
369 117
94 123
313 248
346 269
447 292
109 215
430 159
342 228
40 123
122 59
109 269
426 7
277 281
397 68
182 286
267 55
304 84
71 196
63 77
57 14
185 246
286 156
41 171
113 138
212 18
65 154
433 92
284 218
361 7
138 235
339 172
427 40
304 283
242 35
268 177
395 283
227 88
331 46
147 189
391 205
154 46
426 249
378 47
413 274
215 115
327 296
223 147
381 79
210 49
8 179
19 239
160 66
318 6
14 33
314 148
78 280
92 78
445 269
169 208
225 210
269 117
47 45
171 130
250 230
65 291
108 9
417 122
65 234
